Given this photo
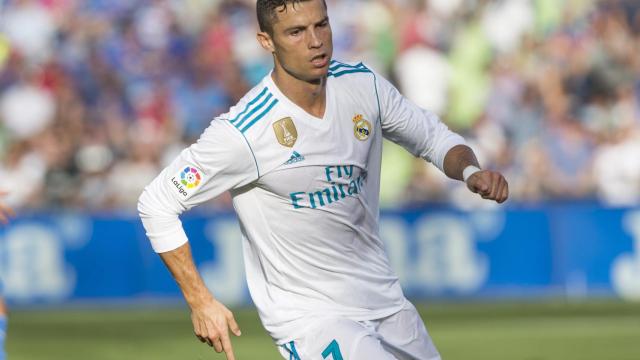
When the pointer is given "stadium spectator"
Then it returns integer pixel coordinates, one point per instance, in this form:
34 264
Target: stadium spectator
31 28
617 170
103 67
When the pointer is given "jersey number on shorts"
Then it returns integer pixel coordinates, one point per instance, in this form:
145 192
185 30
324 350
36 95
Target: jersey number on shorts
333 349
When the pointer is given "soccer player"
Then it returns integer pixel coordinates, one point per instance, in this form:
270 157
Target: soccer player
301 155
5 213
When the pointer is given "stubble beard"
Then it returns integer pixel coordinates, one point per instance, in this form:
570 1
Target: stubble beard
301 77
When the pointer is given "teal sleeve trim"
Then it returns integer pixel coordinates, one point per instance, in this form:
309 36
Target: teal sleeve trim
337 64
345 72
252 153
375 84
250 149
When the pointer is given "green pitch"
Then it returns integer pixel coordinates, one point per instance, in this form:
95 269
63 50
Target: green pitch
586 331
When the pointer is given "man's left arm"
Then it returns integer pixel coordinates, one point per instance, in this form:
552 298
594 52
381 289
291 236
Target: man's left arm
460 163
423 134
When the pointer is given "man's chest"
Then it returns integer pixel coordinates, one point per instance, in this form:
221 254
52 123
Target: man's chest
326 159
344 135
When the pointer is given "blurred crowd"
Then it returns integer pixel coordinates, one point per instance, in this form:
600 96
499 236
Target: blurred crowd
97 96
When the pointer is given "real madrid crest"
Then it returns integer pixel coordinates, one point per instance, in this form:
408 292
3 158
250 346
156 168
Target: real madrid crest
361 128
286 132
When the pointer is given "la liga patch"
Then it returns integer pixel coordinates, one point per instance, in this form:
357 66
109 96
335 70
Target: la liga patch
187 180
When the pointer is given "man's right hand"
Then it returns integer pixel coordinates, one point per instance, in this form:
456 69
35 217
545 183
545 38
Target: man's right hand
211 320
211 324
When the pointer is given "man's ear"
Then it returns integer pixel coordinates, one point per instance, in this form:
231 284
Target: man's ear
265 41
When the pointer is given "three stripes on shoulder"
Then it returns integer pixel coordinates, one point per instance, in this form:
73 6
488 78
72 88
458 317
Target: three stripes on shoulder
247 118
338 69
265 101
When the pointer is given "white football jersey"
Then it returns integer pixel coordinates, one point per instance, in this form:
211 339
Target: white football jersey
306 192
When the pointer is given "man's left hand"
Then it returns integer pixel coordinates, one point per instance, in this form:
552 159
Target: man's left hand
491 185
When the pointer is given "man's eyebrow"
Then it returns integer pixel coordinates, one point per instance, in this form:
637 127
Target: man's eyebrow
295 27
302 27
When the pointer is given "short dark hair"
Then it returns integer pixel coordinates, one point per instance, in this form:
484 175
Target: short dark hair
266 11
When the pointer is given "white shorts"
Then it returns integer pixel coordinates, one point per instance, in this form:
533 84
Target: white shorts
401 336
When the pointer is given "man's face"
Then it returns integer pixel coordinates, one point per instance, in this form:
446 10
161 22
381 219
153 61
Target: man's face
302 40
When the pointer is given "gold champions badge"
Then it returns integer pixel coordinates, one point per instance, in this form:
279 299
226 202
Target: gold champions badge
286 132
361 128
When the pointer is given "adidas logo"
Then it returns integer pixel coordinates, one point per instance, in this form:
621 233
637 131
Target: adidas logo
295 157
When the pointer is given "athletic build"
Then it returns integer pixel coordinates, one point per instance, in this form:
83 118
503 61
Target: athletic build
301 154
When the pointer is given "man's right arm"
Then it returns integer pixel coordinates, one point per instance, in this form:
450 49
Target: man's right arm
210 318
221 160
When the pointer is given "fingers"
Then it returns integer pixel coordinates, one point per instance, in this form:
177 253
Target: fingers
202 333
483 188
489 185
226 345
215 332
197 330
501 190
478 184
219 340
504 195
213 337
233 325
494 184
217 345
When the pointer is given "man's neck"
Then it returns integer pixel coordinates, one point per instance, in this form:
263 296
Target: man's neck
311 97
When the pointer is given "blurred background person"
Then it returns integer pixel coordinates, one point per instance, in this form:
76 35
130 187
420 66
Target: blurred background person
95 74
5 213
